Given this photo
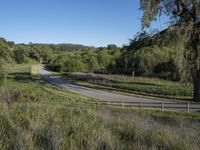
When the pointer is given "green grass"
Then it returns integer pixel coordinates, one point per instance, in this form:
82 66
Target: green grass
149 87
44 117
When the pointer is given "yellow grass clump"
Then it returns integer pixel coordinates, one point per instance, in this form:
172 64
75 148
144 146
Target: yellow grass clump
34 70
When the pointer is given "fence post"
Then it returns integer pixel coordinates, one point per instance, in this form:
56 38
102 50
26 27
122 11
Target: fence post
123 104
162 106
188 107
108 103
141 105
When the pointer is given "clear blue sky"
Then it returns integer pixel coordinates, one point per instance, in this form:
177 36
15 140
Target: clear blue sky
88 22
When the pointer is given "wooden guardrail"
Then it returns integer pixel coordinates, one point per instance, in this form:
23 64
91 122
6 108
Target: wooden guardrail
174 106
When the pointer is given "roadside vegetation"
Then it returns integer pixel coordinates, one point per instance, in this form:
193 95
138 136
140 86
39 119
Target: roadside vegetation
36 115
153 87
151 63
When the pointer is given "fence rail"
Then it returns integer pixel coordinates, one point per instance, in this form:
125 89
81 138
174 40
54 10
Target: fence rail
177 106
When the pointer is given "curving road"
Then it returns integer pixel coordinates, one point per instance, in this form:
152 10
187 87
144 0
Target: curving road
109 96
98 94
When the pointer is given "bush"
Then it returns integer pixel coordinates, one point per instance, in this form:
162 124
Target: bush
167 70
57 62
5 51
152 61
3 74
20 55
90 59
73 65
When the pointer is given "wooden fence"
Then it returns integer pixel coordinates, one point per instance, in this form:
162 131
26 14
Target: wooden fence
174 106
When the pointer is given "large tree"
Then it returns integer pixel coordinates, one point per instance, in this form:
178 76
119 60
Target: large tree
185 17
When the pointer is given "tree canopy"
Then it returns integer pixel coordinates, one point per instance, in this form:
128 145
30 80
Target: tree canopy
185 17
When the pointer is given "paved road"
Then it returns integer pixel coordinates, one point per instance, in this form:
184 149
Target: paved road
99 94
105 95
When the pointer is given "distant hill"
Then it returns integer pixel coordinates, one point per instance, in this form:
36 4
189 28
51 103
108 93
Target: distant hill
63 47
69 47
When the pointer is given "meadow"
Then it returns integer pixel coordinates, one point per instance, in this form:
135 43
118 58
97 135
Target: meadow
150 87
37 115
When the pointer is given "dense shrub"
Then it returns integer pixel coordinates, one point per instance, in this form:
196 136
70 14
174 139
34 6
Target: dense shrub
90 59
149 57
5 50
73 65
20 55
57 62
103 59
3 73
167 70
75 62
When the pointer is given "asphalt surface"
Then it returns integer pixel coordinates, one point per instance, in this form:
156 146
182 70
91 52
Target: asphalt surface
94 93
109 96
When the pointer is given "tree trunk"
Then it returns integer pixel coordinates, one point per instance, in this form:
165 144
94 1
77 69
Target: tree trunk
196 95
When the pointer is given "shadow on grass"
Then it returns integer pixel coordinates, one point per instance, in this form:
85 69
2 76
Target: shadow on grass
48 67
89 78
23 77
98 79
142 83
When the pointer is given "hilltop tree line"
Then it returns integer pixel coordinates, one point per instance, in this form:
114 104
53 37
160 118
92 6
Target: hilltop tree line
146 55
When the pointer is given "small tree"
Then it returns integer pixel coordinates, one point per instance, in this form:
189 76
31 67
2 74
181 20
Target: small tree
185 16
20 55
90 59
103 58
5 50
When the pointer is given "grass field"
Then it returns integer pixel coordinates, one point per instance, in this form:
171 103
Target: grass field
136 85
36 115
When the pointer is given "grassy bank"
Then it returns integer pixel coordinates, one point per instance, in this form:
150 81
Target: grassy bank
37 117
136 85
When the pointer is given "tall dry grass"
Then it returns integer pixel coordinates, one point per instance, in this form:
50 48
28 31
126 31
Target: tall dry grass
59 123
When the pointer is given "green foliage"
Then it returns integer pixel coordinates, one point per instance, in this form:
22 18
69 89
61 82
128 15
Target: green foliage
90 59
112 47
150 54
3 73
184 15
167 70
5 50
69 47
20 55
40 52
47 117
73 65
68 62
103 59
178 10
140 40
149 57
57 61
140 56
138 85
